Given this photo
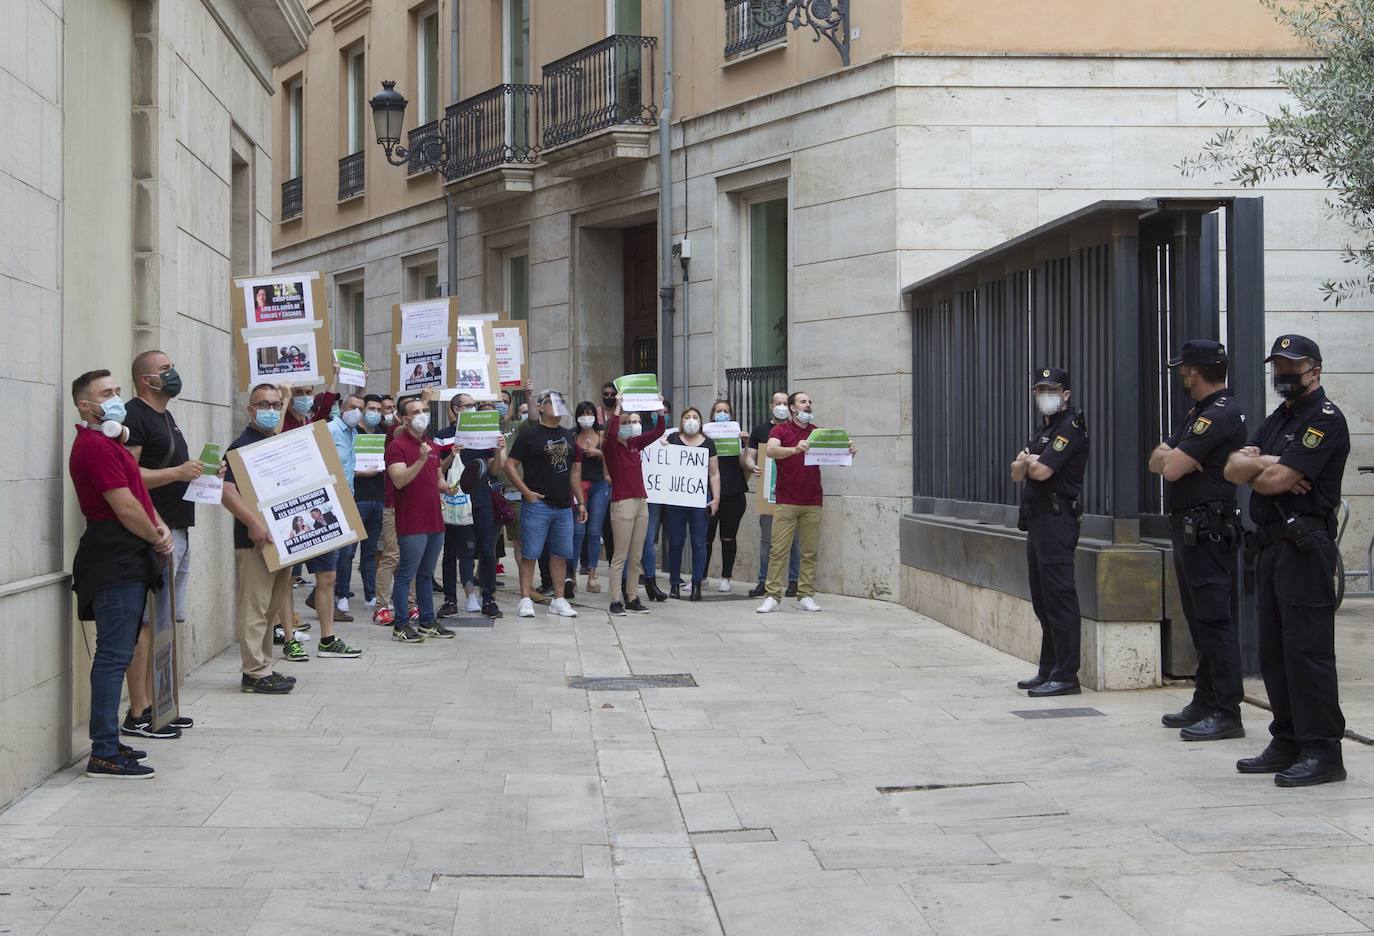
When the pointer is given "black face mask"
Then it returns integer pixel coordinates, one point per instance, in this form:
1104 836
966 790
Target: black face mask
608 400
1289 386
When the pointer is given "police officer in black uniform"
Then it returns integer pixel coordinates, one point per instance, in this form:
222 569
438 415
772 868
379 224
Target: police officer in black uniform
1295 464
1205 529
1052 466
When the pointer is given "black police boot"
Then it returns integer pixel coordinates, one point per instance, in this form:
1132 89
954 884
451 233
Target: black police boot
1036 680
1191 714
1054 688
1309 771
1271 760
1217 726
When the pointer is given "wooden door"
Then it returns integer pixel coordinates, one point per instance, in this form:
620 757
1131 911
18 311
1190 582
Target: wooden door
641 299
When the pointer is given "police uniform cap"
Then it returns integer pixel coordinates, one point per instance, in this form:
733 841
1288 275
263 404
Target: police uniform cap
1050 375
1295 348
1200 351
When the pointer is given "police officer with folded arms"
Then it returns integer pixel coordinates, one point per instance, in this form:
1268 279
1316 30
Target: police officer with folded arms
1205 530
1052 465
1295 464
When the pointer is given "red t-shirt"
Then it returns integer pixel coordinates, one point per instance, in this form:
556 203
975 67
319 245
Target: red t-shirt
99 464
798 484
417 504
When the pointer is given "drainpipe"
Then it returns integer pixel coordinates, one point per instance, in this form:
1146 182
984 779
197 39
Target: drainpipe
665 207
450 203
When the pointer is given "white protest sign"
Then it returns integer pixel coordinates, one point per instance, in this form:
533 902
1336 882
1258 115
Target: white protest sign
677 475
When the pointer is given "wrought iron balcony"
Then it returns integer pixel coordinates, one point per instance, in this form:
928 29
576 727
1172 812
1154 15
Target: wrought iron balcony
492 129
750 392
608 84
351 175
746 29
416 143
292 198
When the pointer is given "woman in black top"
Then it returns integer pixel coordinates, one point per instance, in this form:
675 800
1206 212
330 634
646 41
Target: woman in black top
732 503
679 520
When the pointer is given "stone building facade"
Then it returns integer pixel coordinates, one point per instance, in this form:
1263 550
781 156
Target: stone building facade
135 177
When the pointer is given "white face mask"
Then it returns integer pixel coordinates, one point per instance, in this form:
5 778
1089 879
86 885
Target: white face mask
586 422
388 418
691 426
1048 403
352 418
780 413
419 422
805 417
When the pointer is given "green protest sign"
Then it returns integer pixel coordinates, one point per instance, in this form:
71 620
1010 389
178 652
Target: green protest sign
478 429
638 393
352 371
369 450
828 447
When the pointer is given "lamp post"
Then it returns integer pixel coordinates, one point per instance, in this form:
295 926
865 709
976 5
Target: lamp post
429 152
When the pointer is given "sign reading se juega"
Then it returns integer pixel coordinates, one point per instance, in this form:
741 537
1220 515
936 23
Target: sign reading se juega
282 327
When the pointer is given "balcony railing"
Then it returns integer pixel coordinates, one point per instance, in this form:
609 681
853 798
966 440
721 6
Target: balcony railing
351 175
292 198
750 392
415 142
743 31
491 129
609 83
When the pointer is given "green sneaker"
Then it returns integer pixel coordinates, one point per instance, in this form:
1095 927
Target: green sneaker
293 651
335 647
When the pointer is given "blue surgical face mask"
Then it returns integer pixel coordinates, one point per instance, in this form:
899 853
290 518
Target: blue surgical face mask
266 420
503 409
372 418
303 403
721 416
112 410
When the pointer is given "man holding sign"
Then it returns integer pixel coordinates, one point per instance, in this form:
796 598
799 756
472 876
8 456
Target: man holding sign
798 511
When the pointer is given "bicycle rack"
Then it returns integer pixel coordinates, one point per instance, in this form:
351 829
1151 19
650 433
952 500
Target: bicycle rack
1367 573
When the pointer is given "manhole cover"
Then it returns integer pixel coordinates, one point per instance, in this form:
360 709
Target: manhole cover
631 683
1059 713
469 622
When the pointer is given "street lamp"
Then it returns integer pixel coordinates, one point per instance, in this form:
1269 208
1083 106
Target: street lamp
388 115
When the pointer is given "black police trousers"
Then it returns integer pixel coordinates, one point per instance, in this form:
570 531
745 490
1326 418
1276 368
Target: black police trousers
1297 647
1050 543
1206 573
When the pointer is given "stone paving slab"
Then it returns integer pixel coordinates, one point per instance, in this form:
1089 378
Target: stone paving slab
860 771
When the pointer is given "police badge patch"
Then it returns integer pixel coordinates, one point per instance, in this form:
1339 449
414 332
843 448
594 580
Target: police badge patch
1061 443
1202 425
1312 437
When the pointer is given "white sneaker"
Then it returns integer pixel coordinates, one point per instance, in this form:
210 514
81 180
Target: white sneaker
526 608
561 608
724 586
474 603
769 604
807 604
371 602
342 605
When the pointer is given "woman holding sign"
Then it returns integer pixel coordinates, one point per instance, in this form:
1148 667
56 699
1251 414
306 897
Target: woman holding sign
732 490
679 520
596 490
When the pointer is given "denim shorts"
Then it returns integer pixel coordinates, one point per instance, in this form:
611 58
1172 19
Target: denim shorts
542 525
326 562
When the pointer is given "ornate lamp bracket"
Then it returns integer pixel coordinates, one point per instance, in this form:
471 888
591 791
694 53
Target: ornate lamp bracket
825 18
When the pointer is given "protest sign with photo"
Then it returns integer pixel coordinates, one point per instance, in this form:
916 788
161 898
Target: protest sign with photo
282 330
474 376
369 449
422 334
470 337
478 429
725 434
638 393
828 447
422 368
678 475
209 487
296 482
508 343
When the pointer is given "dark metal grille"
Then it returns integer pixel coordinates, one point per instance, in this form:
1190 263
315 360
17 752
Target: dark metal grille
292 198
607 84
491 129
747 29
416 142
645 352
750 389
631 683
351 175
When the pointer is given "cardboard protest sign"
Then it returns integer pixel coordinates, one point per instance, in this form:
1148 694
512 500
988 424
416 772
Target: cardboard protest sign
766 497
208 488
296 482
725 435
162 615
281 329
638 393
828 447
509 343
474 372
678 475
422 335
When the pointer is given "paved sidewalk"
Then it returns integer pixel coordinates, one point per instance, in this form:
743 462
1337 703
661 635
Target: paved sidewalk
860 771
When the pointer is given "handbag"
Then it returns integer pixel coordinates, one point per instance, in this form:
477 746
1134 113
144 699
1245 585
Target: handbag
457 508
502 513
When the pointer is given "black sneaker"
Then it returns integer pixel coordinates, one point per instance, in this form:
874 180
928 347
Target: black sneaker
570 589
617 609
447 609
791 590
436 630
546 590
758 591
297 582
278 636
181 722
407 634
142 727
489 609
120 767
635 606
129 753
335 647
271 684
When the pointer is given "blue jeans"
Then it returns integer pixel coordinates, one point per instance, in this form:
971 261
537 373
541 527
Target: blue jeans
460 549
681 520
598 497
419 555
118 614
766 546
650 539
542 525
371 512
